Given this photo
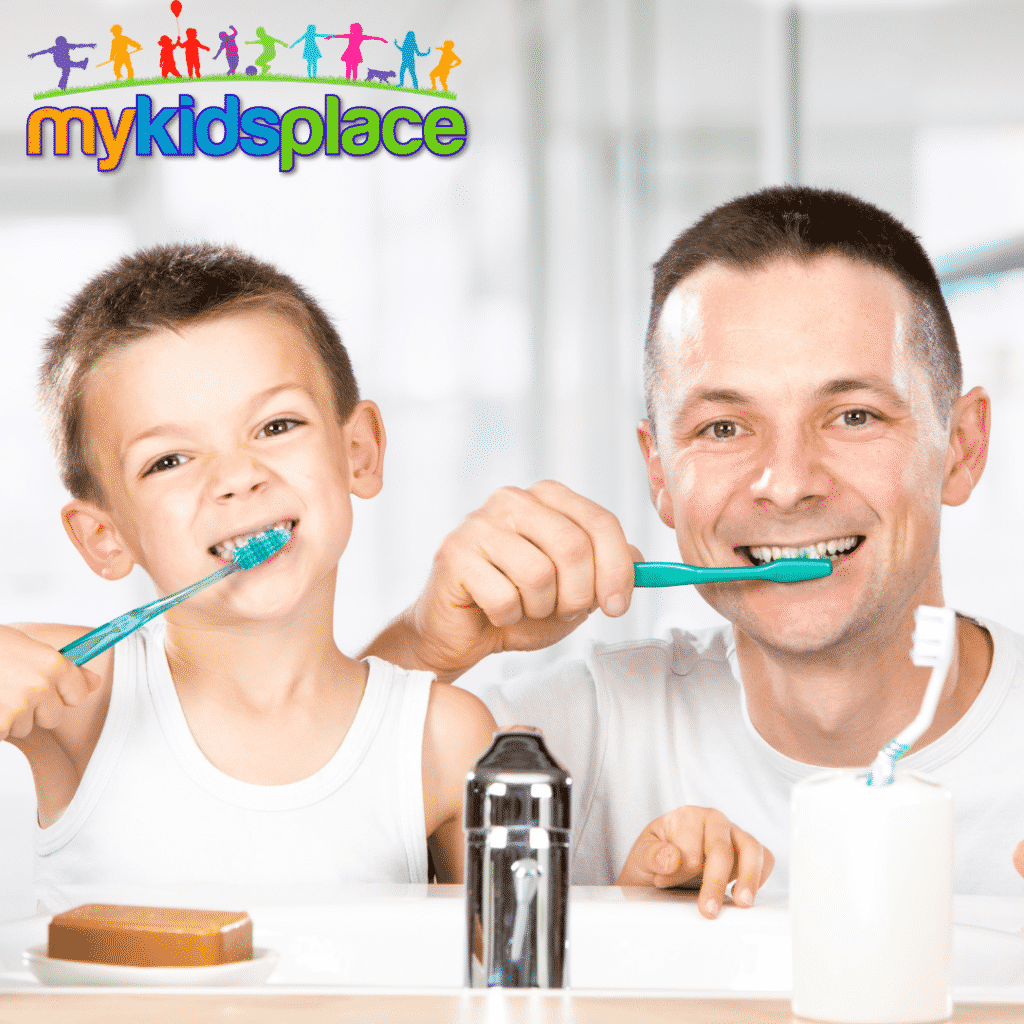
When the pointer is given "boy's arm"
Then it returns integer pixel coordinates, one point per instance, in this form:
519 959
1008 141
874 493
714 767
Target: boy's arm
51 709
458 729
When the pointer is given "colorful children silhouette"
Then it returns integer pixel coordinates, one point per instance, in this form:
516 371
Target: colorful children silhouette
229 48
409 54
269 52
192 46
120 55
353 55
167 48
449 59
61 51
311 52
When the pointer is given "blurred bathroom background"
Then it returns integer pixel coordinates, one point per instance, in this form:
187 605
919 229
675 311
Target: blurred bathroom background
494 303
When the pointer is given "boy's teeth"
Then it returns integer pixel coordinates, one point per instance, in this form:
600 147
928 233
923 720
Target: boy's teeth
226 548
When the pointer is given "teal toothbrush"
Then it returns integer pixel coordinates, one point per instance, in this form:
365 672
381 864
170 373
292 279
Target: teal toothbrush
782 570
253 552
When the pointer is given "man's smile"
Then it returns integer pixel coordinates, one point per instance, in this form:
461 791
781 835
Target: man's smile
832 549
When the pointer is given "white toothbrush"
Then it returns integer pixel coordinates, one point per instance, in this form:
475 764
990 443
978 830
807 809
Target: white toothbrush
934 640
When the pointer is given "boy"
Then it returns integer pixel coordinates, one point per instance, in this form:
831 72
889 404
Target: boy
194 396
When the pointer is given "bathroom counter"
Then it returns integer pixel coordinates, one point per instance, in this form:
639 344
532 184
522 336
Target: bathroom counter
459 1007
396 953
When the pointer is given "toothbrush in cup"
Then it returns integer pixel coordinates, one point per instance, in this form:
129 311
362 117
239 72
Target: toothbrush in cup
934 641
255 551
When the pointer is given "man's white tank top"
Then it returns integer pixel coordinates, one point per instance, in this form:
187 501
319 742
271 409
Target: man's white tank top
154 820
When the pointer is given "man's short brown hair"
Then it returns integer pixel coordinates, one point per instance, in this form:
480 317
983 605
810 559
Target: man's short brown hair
167 287
804 223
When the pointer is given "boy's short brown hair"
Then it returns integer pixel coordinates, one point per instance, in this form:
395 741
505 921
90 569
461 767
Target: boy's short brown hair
166 288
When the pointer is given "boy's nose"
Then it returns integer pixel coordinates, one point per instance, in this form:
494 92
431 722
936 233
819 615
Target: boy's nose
237 476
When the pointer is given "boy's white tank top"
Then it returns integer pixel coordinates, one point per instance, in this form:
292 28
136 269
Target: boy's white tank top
154 821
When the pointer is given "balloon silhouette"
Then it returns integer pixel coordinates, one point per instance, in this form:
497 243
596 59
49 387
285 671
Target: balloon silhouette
176 7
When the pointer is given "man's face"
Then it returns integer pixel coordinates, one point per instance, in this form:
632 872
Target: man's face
791 414
213 432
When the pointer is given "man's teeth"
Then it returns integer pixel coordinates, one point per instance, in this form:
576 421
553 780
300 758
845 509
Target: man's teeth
225 549
830 549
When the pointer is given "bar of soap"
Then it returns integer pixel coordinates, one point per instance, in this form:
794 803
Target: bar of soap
106 933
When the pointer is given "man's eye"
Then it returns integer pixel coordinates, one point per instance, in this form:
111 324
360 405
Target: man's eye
722 430
857 418
276 427
164 463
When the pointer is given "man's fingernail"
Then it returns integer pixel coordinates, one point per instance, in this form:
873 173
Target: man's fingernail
663 860
744 897
712 907
616 604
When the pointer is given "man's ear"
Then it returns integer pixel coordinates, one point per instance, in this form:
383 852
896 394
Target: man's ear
93 532
970 423
655 476
366 440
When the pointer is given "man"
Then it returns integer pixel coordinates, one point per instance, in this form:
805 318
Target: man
803 394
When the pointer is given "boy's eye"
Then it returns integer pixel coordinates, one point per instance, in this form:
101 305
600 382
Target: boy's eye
166 462
276 427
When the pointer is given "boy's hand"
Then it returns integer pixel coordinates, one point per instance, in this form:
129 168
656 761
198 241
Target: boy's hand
37 685
518 574
693 846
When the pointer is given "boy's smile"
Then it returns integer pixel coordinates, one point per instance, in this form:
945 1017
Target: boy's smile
204 436
794 418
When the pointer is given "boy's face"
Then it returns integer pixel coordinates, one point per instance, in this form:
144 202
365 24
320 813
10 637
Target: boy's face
793 411
219 430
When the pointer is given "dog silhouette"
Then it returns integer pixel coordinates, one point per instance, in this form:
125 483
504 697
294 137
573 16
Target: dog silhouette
380 76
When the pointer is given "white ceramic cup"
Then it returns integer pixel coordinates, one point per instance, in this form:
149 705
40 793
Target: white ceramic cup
871 898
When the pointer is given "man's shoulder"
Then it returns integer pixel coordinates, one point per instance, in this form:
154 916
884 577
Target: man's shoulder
1007 643
676 653
610 667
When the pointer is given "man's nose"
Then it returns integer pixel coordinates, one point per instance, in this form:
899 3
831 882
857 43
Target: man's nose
790 472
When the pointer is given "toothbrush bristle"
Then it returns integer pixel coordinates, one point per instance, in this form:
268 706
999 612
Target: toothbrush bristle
258 549
936 629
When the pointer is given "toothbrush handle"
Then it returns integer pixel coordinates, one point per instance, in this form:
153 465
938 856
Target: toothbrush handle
95 642
676 574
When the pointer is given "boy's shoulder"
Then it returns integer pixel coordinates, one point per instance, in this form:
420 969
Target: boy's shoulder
458 729
454 713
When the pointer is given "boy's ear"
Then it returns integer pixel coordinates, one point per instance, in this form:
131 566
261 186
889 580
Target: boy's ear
366 442
660 496
93 532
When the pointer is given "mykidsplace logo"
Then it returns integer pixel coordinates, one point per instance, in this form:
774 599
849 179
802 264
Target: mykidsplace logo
257 131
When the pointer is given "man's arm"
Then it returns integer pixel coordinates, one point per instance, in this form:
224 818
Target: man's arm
518 574
693 847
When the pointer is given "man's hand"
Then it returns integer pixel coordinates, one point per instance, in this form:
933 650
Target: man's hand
518 574
37 685
699 846
1018 858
